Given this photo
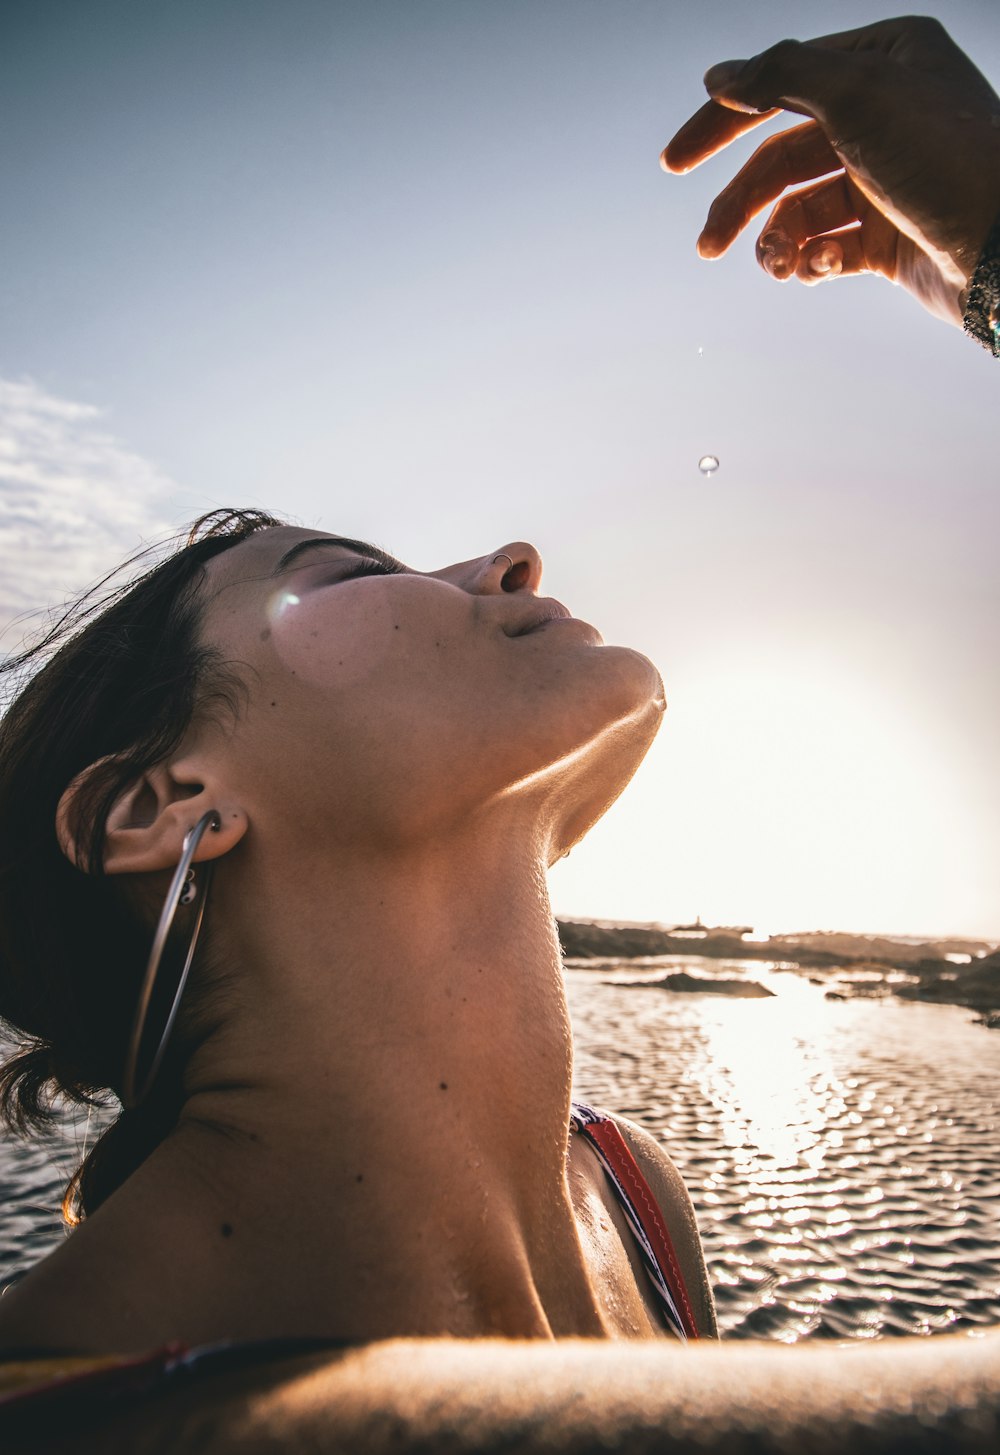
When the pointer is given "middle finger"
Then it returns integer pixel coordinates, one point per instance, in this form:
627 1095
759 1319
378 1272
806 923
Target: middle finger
799 154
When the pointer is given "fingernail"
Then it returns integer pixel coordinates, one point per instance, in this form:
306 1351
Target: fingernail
826 261
718 77
777 253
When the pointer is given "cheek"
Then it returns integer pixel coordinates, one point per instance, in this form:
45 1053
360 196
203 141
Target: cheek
384 674
341 644
368 701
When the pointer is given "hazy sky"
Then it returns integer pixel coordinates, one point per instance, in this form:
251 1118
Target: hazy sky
408 269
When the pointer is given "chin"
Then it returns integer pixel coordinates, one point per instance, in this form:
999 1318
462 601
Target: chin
603 769
634 684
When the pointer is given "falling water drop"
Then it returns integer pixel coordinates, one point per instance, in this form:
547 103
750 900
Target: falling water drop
708 464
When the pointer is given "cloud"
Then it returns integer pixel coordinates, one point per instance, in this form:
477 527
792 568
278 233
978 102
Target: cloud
74 502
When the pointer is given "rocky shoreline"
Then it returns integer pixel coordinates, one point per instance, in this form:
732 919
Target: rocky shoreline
851 965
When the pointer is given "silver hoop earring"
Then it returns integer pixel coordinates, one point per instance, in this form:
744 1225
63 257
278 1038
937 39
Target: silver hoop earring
183 890
503 556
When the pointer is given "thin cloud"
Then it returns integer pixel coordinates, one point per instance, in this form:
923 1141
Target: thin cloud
74 501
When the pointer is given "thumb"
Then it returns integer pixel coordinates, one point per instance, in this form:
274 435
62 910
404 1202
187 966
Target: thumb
792 75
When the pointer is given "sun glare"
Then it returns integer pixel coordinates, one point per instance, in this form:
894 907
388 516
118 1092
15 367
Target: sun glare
793 799
281 602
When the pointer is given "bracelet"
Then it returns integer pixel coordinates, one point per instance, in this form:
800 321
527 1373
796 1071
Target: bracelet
982 309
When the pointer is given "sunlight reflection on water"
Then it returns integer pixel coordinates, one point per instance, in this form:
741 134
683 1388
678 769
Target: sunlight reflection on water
773 1081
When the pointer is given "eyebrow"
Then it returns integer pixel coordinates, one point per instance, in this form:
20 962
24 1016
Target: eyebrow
343 543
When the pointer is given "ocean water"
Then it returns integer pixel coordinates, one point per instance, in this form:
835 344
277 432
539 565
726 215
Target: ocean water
843 1157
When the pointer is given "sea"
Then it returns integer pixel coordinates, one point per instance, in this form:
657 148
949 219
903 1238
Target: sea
843 1156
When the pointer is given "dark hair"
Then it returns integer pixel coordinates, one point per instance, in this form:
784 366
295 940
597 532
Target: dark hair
123 676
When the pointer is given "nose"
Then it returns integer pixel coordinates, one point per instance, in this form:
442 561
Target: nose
519 566
516 566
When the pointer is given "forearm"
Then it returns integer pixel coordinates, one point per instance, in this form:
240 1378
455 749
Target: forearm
917 1395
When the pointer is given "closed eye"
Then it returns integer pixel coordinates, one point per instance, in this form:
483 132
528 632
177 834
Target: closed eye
367 566
358 550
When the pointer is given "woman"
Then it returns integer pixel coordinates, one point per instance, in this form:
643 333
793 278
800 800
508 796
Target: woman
409 948
361 1124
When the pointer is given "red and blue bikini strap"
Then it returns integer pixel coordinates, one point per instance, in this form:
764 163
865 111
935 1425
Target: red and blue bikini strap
644 1217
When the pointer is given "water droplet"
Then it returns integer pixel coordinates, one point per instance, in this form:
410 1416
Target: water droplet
708 464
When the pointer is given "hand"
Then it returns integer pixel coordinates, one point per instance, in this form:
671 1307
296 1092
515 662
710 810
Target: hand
907 125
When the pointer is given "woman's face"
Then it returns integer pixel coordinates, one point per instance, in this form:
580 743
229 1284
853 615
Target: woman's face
384 701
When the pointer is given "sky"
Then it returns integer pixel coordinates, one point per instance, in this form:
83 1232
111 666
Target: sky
409 270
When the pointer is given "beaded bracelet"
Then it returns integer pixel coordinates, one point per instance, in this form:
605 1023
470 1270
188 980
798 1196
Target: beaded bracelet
982 309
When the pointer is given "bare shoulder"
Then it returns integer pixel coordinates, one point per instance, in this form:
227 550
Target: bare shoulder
38 1311
75 1300
675 1203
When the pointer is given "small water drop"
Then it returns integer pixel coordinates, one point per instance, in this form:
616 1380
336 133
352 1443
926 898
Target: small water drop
708 464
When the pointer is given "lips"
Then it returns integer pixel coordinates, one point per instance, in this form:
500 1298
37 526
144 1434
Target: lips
540 614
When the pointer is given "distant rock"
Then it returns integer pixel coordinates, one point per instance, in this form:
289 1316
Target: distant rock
684 984
593 940
583 940
976 985
876 958
849 990
881 948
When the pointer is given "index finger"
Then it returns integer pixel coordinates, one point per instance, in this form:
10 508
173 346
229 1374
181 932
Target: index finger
791 76
710 129
717 124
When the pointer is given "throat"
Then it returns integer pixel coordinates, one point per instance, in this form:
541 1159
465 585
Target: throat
409 1135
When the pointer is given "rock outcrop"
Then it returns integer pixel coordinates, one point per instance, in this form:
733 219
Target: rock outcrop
929 975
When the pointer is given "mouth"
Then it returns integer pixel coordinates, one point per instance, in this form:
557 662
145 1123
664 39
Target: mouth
541 614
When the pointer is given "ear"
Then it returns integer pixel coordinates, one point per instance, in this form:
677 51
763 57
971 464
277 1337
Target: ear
148 822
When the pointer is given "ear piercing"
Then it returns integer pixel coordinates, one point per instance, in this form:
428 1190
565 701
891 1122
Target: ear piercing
183 890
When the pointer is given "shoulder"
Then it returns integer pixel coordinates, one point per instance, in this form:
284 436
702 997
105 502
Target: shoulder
35 1312
667 1186
78 1297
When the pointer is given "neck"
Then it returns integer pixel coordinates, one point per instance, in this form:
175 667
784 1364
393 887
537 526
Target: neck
395 1080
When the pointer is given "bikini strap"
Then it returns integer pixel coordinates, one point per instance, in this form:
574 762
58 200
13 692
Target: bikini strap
644 1217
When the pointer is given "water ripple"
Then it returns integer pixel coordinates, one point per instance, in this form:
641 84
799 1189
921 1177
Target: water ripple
844 1158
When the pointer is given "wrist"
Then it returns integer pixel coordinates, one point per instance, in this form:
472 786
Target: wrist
980 302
